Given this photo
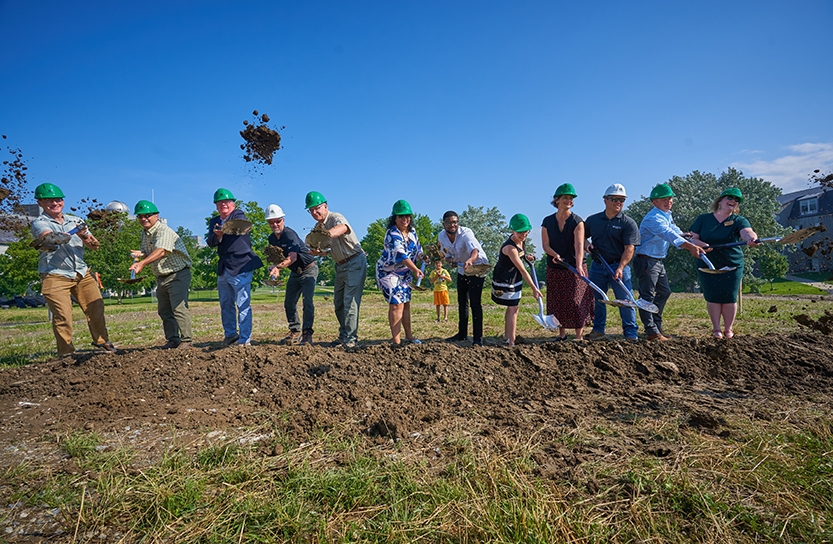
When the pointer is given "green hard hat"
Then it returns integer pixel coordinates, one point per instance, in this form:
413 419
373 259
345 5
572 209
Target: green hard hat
401 207
222 194
663 190
145 207
313 199
520 223
565 190
732 191
47 190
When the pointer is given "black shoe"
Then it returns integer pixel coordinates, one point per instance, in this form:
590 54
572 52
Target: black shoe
478 342
456 338
229 340
171 344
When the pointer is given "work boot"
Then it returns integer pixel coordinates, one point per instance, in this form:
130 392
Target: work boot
291 339
595 335
658 337
171 344
306 339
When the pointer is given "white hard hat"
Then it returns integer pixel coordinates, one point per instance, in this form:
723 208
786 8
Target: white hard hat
617 189
273 211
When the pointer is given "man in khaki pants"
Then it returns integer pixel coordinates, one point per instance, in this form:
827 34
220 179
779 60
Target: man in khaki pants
64 272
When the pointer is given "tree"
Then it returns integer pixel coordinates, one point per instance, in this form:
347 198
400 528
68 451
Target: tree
772 264
118 236
695 194
19 267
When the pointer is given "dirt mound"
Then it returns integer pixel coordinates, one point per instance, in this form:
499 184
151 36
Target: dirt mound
416 391
261 141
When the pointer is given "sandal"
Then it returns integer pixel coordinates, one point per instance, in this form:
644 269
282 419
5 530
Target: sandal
729 334
717 334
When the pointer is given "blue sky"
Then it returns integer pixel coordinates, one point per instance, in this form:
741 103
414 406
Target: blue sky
445 104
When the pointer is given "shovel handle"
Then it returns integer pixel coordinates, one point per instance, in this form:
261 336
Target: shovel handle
572 269
742 243
421 269
613 273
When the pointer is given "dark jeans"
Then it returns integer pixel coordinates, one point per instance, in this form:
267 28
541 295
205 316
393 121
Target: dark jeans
469 293
296 285
653 287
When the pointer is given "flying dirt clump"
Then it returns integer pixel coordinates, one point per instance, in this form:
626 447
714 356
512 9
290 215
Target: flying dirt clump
823 324
318 238
261 141
13 191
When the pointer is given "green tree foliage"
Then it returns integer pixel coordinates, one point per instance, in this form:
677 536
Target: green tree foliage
19 267
490 227
204 269
696 193
772 264
374 240
118 236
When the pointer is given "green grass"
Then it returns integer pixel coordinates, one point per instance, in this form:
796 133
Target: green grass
768 482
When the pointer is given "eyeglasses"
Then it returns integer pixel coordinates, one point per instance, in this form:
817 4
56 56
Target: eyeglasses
617 199
276 221
734 198
451 222
316 208
144 215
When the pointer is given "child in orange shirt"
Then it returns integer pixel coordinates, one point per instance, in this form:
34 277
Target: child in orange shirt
440 278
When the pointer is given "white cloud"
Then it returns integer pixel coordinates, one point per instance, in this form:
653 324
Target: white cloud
792 171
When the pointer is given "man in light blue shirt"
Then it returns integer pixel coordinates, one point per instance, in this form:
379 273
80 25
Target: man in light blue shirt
657 232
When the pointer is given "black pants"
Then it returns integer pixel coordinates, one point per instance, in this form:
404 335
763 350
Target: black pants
469 293
653 287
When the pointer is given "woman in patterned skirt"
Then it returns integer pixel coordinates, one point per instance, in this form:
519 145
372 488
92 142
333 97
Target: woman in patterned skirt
396 269
569 299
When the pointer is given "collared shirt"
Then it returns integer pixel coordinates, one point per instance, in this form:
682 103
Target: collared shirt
657 232
68 259
462 246
235 250
176 256
610 236
345 246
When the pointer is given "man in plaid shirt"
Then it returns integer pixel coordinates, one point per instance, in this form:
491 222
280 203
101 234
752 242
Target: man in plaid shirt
165 252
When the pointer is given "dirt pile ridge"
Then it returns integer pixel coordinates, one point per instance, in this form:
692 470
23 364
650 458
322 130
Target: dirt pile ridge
432 389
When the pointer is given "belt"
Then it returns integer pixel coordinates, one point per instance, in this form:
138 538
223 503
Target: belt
174 272
642 256
350 258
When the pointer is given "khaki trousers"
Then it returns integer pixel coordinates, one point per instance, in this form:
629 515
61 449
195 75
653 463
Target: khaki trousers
57 290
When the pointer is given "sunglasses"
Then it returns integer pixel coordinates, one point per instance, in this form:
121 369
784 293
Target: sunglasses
734 198
617 199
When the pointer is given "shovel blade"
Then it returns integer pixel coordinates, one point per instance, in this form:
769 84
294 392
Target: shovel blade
549 322
647 306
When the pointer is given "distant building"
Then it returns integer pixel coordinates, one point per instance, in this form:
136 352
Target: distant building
809 208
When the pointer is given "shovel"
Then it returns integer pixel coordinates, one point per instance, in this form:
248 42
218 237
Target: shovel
51 240
549 322
641 304
791 238
712 270
237 227
605 300
418 285
133 279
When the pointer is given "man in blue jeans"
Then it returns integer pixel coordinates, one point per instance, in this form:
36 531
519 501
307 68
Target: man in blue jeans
234 271
303 273
613 236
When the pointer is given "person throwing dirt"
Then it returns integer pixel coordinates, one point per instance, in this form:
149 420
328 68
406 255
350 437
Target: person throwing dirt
657 233
396 269
723 226
234 271
614 236
64 273
165 252
461 247
440 278
510 273
350 268
303 274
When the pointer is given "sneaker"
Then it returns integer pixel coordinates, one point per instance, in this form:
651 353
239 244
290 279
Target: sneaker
229 340
632 340
336 343
106 346
306 339
291 339
595 335
171 344
415 341
456 338
659 337
350 344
